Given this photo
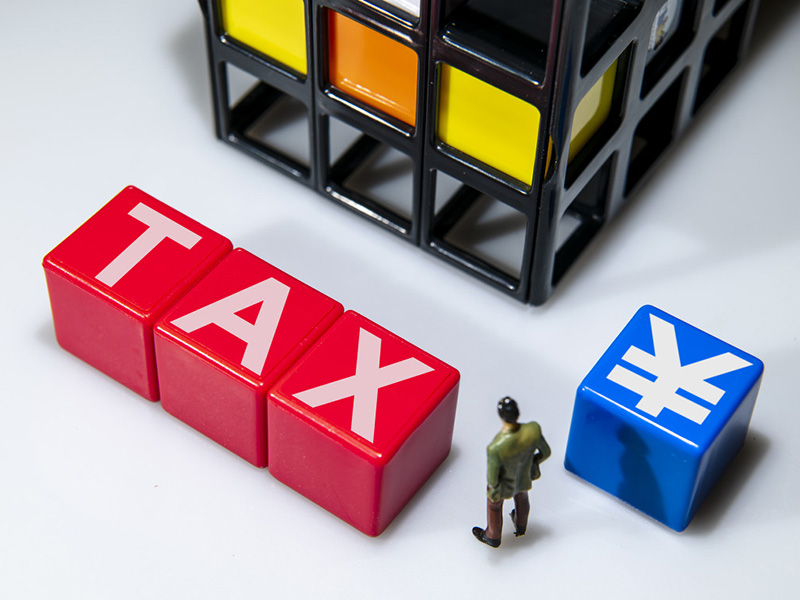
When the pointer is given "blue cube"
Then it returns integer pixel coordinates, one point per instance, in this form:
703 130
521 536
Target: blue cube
661 415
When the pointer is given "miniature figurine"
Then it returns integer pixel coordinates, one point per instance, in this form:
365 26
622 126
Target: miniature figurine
513 463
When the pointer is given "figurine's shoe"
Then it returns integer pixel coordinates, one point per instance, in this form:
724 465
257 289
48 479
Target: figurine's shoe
480 535
518 531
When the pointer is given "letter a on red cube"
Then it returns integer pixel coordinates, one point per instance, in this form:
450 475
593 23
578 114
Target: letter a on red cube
361 421
222 346
117 273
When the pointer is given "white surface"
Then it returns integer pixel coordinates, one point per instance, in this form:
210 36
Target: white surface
104 495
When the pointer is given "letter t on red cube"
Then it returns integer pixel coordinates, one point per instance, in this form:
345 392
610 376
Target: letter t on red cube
117 273
361 421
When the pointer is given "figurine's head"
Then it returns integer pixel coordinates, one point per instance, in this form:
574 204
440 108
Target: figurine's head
508 410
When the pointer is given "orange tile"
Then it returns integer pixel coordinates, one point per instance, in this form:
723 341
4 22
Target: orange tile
372 67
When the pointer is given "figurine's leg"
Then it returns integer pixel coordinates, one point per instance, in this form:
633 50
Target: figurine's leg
494 518
494 529
522 508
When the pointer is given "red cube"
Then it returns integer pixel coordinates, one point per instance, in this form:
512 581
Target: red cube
361 421
117 273
222 346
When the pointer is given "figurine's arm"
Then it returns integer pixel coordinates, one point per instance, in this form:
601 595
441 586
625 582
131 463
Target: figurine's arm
492 470
542 451
541 454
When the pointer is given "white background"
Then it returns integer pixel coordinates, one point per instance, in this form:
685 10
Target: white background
104 495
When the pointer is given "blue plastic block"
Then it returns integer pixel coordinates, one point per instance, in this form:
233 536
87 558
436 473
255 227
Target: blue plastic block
661 415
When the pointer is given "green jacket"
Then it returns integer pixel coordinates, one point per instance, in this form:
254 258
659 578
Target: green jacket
513 459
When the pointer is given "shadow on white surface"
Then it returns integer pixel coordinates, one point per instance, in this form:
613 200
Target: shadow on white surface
728 489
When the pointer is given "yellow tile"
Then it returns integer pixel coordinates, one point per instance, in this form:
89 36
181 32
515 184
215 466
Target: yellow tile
276 28
487 123
592 111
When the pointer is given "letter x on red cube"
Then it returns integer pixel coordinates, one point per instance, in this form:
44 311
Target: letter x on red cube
117 273
226 341
361 421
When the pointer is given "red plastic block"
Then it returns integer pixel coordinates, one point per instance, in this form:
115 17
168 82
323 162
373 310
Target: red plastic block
222 346
361 421
117 273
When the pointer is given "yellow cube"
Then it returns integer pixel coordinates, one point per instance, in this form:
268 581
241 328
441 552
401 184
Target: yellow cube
487 123
592 111
276 28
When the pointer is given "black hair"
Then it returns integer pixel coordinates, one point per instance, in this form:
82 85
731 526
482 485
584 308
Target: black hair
508 410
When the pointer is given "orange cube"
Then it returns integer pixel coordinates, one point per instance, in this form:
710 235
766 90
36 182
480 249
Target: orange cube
372 68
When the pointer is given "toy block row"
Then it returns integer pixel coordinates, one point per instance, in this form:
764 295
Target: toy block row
256 360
